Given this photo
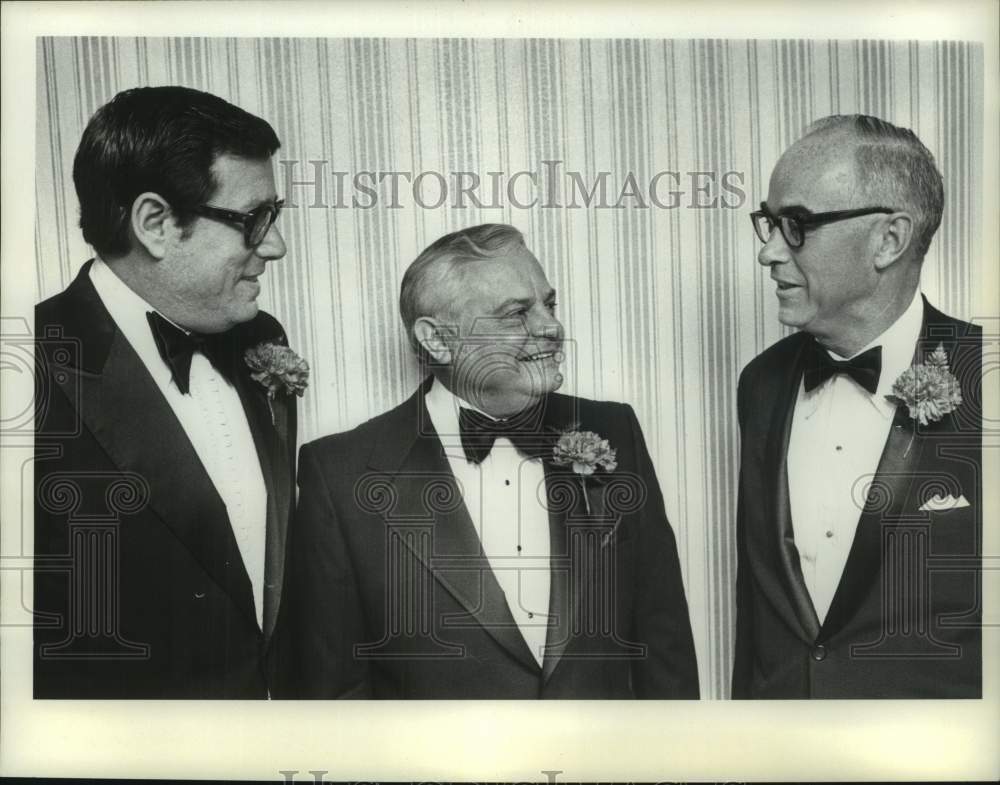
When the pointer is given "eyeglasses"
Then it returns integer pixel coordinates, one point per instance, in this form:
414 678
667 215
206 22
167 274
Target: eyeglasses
793 227
255 224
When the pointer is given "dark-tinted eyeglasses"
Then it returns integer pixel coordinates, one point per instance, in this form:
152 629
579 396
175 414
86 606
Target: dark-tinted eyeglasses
793 226
255 224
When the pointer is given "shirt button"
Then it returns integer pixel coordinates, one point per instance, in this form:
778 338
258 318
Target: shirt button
819 652
531 615
829 533
839 448
506 482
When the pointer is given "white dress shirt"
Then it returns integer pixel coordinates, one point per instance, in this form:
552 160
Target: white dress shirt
839 431
213 418
505 497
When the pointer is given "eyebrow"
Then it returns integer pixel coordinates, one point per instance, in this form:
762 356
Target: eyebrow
512 301
253 204
525 301
790 209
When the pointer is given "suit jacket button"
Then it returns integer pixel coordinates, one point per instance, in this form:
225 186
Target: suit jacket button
819 652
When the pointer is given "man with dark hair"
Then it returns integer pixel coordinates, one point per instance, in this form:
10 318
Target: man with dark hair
165 436
859 522
489 537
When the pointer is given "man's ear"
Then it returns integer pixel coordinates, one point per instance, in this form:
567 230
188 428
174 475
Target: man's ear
153 223
894 241
432 336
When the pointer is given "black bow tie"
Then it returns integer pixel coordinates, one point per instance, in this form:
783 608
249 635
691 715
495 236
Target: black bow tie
177 348
524 430
865 369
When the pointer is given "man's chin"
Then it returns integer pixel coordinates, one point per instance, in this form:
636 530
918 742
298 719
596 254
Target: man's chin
246 312
538 384
506 401
792 317
539 388
507 391
232 318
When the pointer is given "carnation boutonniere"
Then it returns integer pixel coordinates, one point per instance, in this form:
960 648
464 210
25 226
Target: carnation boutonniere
929 390
277 369
587 453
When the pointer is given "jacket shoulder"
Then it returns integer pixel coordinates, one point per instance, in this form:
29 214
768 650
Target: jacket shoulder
351 446
262 328
590 404
54 309
940 325
46 309
569 411
776 356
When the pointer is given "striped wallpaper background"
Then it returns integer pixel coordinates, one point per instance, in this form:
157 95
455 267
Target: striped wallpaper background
665 304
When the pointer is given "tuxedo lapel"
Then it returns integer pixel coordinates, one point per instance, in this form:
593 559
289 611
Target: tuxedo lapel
791 597
123 408
411 454
899 466
270 448
563 602
578 530
885 501
271 422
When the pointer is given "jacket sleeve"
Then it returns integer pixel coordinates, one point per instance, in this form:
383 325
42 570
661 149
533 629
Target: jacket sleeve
743 656
321 618
669 668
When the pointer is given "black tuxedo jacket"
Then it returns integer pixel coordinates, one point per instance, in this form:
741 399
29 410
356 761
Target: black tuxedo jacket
140 589
389 594
905 619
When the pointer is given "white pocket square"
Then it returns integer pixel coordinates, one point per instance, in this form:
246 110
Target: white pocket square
941 503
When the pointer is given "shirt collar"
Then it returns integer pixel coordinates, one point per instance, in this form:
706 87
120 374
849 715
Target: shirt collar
442 406
128 310
898 342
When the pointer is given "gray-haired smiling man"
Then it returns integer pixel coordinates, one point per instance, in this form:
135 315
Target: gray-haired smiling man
489 537
859 523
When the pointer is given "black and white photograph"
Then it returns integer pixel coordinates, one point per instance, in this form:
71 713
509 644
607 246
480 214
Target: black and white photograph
397 398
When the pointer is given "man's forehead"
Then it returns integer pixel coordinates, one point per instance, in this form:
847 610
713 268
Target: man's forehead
493 281
816 176
248 181
518 264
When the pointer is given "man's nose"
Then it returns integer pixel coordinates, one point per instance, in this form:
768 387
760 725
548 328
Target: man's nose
273 245
775 250
549 328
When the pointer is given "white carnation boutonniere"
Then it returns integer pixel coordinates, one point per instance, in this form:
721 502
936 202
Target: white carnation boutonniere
278 369
587 453
929 390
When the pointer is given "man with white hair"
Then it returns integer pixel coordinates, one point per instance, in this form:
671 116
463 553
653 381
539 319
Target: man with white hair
488 538
859 523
